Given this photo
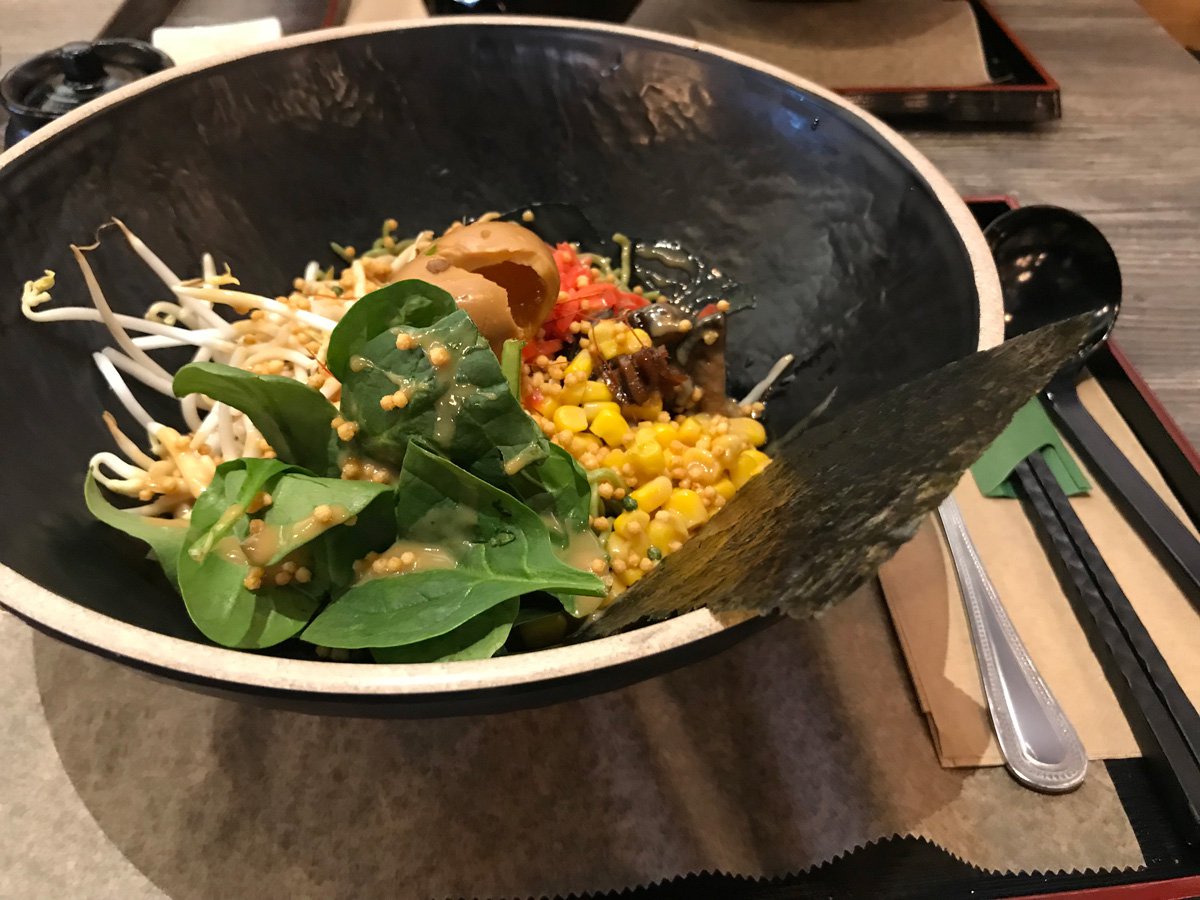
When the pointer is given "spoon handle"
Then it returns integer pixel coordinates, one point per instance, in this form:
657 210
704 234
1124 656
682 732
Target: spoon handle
1175 545
1038 742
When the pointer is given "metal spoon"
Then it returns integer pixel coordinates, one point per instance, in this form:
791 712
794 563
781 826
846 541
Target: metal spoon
1055 264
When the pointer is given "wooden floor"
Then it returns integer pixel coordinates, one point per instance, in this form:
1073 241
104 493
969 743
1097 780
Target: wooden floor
1181 19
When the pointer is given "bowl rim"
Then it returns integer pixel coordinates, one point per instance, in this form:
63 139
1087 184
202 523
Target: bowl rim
194 661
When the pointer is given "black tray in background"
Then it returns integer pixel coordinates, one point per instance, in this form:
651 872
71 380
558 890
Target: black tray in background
1021 91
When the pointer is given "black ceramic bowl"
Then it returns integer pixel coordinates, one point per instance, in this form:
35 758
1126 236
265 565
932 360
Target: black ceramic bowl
863 259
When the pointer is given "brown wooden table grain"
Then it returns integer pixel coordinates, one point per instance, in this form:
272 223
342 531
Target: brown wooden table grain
1126 154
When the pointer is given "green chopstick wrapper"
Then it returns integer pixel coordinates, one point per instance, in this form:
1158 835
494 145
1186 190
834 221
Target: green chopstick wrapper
1030 430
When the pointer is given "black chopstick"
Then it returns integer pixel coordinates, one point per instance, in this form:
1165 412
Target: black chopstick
1143 645
1142 679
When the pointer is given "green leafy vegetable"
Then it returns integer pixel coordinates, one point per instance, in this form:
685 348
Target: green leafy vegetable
410 302
467 412
292 417
212 587
510 365
165 536
463 408
501 548
219 550
477 638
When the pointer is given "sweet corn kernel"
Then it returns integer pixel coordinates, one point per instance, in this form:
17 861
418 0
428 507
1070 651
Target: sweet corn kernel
585 443
570 418
632 525
572 394
725 488
662 535
642 337
545 405
648 411
645 434
653 494
690 430
709 468
618 548
665 432
727 447
582 363
596 391
594 409
750 429
630 575
749 463
614 459
647 459
689 505
609 425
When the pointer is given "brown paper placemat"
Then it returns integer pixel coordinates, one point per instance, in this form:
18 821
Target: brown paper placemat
926 608
840 44
797 745
843 43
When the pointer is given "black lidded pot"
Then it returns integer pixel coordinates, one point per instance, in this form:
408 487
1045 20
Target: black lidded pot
41 89
607 10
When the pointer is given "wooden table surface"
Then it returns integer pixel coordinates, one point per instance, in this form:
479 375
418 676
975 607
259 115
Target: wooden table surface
1126 154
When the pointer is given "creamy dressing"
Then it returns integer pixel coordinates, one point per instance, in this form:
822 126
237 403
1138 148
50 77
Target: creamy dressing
531 452
583 547
404 558
261 546
258 548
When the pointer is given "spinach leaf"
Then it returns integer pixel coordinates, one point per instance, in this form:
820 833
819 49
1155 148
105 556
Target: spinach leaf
165 536
466 411
212 587
477 638
510 365
414 303
502 549
213 566
463 408
289 518
292 417
339 548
